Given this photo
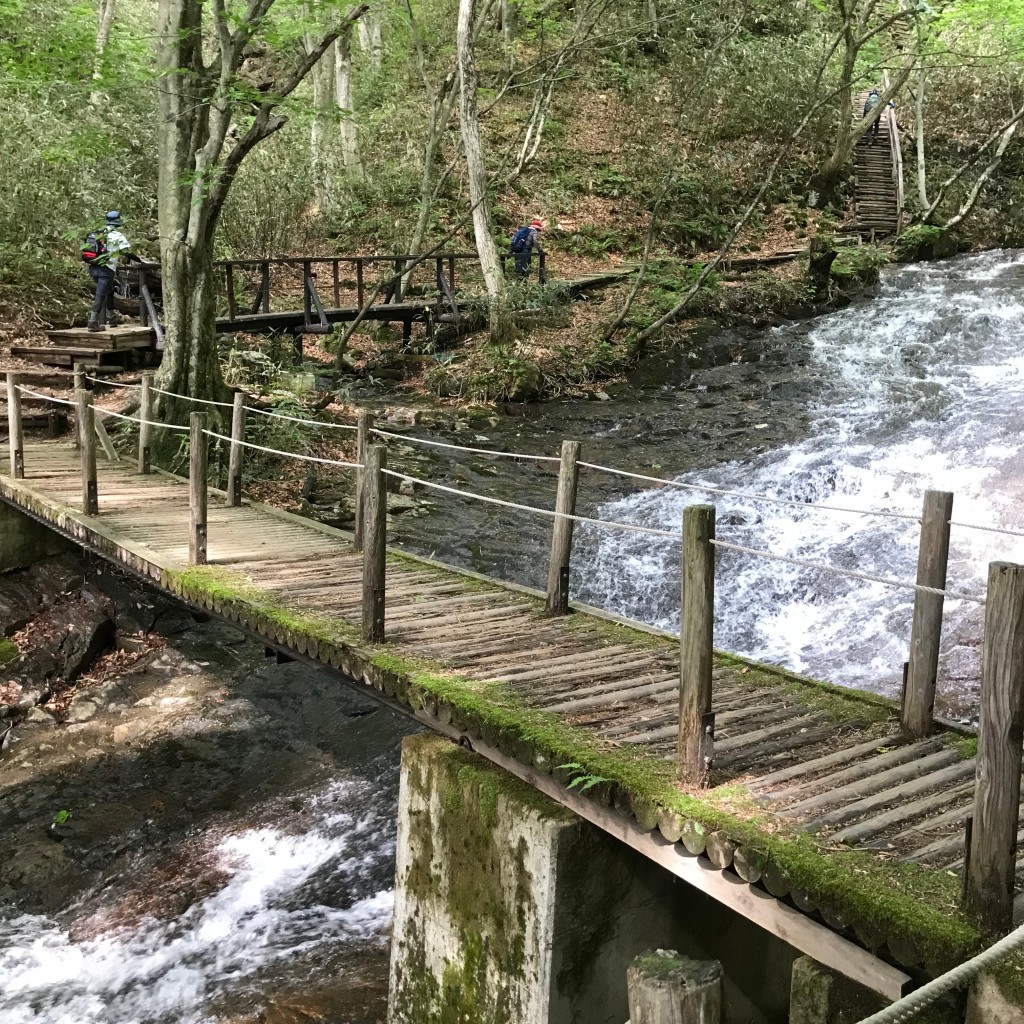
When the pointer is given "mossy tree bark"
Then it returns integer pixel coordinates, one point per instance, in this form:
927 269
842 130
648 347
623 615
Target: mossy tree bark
213 113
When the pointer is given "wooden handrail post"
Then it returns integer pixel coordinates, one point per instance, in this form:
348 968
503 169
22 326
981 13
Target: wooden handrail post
237 450
229 283
265 286
375 510
197 497
145 419
926 631
665 988
364 424
80 384
696 651
15 427
993 849
561 531
87 432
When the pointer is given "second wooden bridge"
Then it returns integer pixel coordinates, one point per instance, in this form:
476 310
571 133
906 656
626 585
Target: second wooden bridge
846 836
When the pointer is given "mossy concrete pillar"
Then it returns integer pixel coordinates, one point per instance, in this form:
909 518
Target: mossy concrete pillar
509 909
23 541
998 998
821 996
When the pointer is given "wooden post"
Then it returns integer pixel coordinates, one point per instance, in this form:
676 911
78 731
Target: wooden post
561 532
1000 729
87 431
237 450
364 424
696 632
265 286
337 285
15 427
145 418
375 509
307 297
359 283
81 384
666 988
197 490
926 631
451 273
229 277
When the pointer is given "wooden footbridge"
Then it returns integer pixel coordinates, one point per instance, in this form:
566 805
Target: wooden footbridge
837 820
878 196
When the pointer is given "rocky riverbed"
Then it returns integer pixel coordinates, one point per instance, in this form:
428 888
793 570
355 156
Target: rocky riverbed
189 831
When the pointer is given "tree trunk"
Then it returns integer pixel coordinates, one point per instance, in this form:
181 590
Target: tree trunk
321 135
922 178
343 93
972 197
475 167
370 38
105 22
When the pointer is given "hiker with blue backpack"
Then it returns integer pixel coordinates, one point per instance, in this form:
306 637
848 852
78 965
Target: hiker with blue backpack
102 252
524 241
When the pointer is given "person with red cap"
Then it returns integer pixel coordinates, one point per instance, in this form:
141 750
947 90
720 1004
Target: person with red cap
524 241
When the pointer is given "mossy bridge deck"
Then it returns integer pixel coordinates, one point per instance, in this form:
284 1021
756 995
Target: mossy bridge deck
821 820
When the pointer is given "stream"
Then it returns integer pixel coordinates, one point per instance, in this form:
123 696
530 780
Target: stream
229 851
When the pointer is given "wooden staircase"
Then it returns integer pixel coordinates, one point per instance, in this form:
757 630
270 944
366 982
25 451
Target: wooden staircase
878 205
131 345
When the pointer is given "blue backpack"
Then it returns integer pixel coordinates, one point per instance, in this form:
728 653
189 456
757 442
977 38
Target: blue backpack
519 240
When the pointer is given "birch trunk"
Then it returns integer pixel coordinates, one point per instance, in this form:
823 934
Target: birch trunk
343 97
105 22
476 169
997 157
922 179
370 38
321 134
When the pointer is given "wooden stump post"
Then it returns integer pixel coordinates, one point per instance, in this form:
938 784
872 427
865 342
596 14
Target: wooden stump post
145 418
364 424
696 633
87 428
926 631
15 428
197 497
237 451
375 510
561 531
81 384
666 988
993 849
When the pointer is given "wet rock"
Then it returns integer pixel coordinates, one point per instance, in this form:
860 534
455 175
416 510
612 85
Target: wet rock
40 718
81 711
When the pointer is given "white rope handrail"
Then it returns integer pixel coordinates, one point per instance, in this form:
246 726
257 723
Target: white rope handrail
297 419
464 448
46 398
866 577
110 383
987 529
287 455
141 422
791 503
907 1008
531 508
189 398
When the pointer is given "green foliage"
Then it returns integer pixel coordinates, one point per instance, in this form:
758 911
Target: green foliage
859 263
580 778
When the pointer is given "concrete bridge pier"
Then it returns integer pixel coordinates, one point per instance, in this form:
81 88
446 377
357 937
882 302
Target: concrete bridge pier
510 909
23 541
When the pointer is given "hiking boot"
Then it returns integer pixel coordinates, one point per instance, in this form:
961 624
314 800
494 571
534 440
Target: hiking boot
95 325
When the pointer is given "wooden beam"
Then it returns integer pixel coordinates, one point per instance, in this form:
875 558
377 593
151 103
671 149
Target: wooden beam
375 509
235 457
364 424
696 652
197 498
561 530
926 632
993 849
15 427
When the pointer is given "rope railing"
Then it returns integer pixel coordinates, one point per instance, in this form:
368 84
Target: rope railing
277 451
139 421
299 419
464 448
189 398
110 383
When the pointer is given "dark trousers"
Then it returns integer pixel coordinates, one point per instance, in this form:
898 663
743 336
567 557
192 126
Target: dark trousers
522 264
103 303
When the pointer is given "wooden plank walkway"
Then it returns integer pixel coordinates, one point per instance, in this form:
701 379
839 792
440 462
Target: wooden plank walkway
876 204
828 761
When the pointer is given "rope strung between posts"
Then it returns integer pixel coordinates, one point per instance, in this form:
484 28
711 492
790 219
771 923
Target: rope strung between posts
45 398
464 448
907 1008
866 577
297 419
287 455
189 398
110 383
987 529
145 423
536 511
789 502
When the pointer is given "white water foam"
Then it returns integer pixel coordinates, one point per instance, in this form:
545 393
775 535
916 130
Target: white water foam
921 388
170 970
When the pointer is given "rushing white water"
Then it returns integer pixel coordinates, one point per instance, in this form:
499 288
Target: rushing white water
282 894
920 388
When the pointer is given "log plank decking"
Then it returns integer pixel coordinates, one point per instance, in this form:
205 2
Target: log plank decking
836 766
